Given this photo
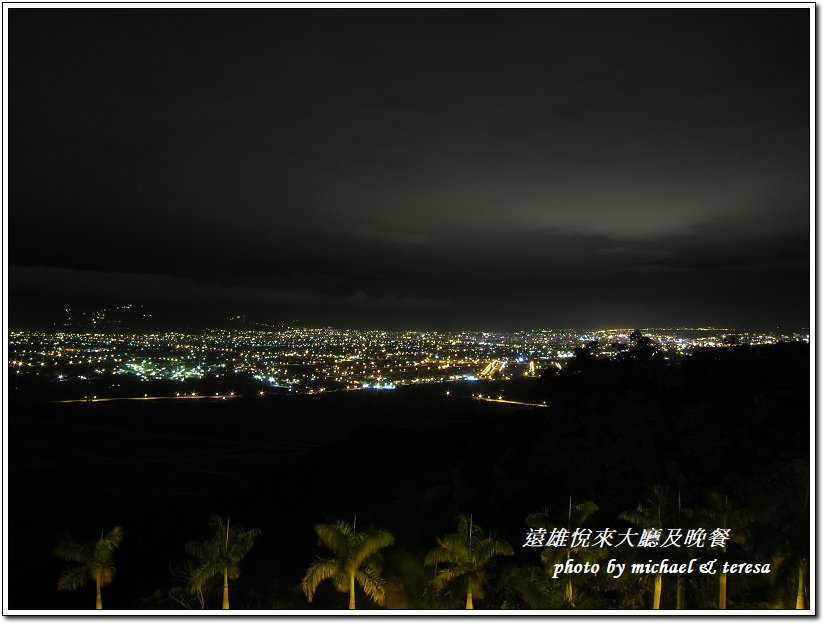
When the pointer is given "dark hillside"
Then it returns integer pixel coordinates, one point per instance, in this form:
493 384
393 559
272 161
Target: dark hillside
733 420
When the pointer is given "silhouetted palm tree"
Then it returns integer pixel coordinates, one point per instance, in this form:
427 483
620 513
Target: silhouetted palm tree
725 514
782 532
534 587
576 516
95 559
220 553
652 515
465 554
356 560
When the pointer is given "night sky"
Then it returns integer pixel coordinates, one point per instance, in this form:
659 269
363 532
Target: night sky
402 168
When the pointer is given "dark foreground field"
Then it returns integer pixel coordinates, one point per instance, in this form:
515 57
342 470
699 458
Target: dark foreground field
160 468
407 461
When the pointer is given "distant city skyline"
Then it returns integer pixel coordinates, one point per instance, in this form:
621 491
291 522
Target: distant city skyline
316 360
137 318
412 168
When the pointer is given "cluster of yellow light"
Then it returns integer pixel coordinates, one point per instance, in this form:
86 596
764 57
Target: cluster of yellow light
326 358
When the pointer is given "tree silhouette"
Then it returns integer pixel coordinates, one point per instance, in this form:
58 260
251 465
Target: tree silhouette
725 514
95 559
220 553
651 515
576 516
532 585
642 347
781 531
356 560
465 554
683 517
584 358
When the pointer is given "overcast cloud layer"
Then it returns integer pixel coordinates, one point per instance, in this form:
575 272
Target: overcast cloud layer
413 168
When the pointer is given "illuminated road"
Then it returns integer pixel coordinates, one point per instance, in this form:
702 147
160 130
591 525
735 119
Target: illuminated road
235 396
499 400
495 366
507 401
150 398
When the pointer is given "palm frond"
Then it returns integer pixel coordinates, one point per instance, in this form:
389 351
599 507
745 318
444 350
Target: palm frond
369 544
581 512
106 545
640 517
574 516
73 578
318 571
658 494
233 570
372 585
551 556
200 573
655 513
341 581
449 576
441 554
70 550
241 542
726 514
336 537
200 550
588 555
374 561
217 525
531 584
538 519
460 540
488 548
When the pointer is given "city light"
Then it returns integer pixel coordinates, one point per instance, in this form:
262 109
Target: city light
317 360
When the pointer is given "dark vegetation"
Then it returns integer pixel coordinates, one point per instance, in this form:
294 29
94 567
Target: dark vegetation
728 424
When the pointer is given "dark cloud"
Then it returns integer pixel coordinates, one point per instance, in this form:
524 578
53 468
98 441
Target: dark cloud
433 167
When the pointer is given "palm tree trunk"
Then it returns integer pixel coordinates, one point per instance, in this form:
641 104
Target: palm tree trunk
722 590
679 592
99 602
800 602
469 600
225 588
351 591
656 599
